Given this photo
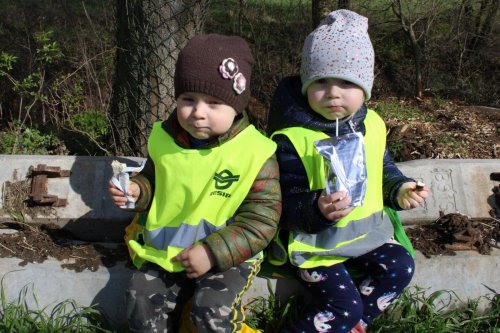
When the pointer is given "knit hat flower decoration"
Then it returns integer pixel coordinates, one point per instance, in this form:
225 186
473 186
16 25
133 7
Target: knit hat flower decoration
229 70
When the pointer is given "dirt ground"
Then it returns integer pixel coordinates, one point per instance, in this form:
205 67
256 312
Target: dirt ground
456 232
475 131
35 243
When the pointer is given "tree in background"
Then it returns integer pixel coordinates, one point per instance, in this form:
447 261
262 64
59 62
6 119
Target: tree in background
321 8
417 20
483 22
150 33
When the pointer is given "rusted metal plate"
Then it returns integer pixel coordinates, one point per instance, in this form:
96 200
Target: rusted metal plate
50 171
39 192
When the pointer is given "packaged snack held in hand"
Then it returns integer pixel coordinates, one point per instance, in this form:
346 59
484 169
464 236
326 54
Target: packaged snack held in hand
121 176
345 166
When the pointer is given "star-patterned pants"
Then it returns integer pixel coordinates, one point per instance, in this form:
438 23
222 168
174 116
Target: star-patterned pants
339 302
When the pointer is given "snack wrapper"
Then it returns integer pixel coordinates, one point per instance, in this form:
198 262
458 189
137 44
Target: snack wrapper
121 177
345 166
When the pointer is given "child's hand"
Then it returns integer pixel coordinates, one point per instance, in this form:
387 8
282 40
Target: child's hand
119 197
333 206
410 197
196 260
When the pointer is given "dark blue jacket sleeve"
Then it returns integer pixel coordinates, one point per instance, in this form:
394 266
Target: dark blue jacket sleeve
392 180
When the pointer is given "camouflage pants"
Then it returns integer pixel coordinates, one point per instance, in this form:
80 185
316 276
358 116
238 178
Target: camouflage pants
155 299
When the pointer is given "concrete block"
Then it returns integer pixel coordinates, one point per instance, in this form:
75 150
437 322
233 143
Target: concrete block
456 186
89 214
48 284
467 274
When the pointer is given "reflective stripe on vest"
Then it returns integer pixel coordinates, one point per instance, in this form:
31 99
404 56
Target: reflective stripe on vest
367 226
197 192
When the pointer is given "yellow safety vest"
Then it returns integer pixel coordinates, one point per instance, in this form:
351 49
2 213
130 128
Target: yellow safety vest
367 226
197 191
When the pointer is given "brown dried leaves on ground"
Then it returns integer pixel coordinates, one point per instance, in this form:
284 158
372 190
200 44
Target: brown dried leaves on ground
451 132
456 232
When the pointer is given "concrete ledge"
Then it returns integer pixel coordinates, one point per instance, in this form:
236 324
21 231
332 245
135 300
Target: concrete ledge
457 186
467 274
52 284
89 214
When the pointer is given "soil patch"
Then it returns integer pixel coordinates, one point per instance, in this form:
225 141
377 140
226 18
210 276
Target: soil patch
35 243
455 232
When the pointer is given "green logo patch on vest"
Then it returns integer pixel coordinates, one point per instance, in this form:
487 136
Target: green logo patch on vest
224 180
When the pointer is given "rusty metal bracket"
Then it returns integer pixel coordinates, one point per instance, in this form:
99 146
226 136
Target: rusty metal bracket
39 192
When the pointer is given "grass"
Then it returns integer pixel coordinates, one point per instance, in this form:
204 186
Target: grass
65 317
399 109
272 314
414 312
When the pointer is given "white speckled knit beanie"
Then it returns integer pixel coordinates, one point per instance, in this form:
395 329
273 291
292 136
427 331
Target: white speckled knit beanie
339 47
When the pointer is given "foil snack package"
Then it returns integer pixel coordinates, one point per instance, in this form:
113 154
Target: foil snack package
345 167
121 176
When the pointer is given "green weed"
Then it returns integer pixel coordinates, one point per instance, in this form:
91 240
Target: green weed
417 312
29 141
394 109
413 312
271 314
65 317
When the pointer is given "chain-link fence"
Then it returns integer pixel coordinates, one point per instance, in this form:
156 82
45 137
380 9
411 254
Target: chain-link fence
151 33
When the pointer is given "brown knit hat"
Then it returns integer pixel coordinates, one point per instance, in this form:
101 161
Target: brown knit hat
216 65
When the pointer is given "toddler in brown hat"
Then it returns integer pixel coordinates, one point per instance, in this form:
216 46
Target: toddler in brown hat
211 190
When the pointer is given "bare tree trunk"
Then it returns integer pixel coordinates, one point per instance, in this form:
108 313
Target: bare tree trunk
463 31
150 33
484 23
320 9
417 52
344 4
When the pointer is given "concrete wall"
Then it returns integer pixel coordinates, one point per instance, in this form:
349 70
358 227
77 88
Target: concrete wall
468 274
457 185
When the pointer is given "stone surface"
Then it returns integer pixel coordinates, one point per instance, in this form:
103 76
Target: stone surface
456 185
89 214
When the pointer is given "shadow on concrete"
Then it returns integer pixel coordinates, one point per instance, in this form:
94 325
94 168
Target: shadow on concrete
103 222
494 199
99 219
